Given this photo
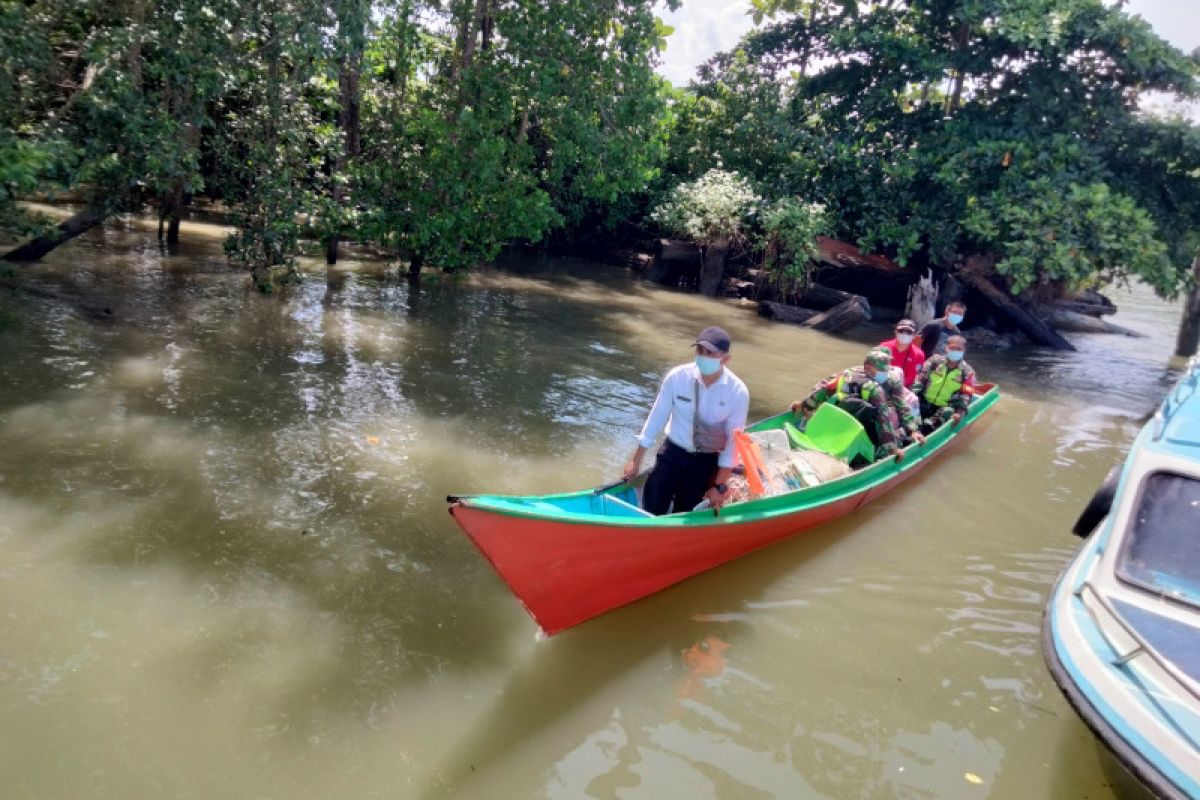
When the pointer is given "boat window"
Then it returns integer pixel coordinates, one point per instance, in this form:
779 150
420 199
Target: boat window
1162 550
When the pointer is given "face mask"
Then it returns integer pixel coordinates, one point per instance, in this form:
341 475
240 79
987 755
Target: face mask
954 355
881 377
904 338
707 366
954 318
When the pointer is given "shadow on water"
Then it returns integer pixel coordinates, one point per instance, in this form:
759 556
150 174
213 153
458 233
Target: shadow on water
562 674
565 673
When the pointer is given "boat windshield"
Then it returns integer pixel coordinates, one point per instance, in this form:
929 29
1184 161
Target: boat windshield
1162 550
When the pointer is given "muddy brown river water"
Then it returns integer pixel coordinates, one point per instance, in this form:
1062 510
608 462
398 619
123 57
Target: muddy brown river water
226 567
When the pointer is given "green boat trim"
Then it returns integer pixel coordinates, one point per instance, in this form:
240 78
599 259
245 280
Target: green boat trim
590 506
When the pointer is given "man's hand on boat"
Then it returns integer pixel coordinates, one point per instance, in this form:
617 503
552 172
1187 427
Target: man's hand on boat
799 409
958 417
634 464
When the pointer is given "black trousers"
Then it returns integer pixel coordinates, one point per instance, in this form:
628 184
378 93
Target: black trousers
679 479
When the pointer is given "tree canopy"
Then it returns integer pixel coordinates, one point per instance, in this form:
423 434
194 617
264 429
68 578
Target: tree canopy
439 128
937 130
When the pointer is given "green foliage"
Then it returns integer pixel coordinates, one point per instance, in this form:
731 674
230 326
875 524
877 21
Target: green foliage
790 228
715 206
442 128
934 131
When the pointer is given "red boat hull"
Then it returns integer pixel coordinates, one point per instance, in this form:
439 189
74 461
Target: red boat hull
568 572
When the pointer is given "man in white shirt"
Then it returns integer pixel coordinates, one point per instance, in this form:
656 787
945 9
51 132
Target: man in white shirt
700 405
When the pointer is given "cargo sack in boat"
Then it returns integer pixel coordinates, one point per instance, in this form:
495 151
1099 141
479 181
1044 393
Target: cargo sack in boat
787 470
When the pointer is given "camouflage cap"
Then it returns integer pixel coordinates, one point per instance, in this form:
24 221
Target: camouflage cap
879 357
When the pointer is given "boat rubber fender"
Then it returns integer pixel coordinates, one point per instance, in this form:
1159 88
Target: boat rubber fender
1099 506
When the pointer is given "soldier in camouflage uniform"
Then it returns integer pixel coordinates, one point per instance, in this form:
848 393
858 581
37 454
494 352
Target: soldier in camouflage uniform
867 392
944 385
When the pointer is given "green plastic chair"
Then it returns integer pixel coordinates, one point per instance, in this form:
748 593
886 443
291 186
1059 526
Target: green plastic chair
833 431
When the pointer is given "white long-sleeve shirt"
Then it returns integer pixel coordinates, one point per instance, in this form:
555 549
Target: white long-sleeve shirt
725 403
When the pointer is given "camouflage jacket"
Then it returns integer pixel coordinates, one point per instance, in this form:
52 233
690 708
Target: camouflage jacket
879 395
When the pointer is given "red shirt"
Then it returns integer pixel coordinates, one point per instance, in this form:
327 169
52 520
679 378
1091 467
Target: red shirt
910 360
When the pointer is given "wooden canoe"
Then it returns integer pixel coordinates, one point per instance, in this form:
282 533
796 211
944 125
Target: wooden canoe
570 557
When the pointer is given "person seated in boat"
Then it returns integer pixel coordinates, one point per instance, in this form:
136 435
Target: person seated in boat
905 355
700 404
867 393
945 386
934 336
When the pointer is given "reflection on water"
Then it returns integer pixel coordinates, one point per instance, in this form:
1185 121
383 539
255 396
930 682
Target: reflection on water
226 566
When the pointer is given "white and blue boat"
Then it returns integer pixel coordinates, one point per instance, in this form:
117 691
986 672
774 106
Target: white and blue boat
1122 627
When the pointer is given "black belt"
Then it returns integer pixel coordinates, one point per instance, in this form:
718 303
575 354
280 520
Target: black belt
670 445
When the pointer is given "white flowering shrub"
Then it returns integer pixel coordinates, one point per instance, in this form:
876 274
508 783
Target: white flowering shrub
712 207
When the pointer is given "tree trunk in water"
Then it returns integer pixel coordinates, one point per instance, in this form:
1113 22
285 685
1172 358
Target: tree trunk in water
174 215
67 230
414 268
1189 326
1027 323
922 300
349 73
712 268
839 319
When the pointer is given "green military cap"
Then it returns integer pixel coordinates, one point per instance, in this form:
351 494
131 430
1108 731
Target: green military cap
879 357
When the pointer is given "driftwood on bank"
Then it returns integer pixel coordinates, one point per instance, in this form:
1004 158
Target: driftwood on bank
1024 320
65 231
849 314
1068 320
781 312
922 299
823 298
838 319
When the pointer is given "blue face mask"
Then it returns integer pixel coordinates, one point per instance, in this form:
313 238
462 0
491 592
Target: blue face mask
881 377
954 318
708 366
954 355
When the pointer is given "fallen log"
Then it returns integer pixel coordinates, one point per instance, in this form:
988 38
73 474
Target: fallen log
781 312
1089 309
838 319
1067 320
1039 332
823 298
65 231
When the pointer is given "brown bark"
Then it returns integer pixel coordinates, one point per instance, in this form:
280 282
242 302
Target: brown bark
1189 326
841 318
68 229
823 298
712 267
781 312
1041 333
349 96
